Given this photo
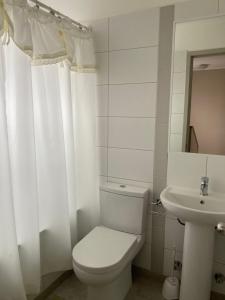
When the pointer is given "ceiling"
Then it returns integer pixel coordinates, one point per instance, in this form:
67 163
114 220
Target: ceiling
213 62
85 10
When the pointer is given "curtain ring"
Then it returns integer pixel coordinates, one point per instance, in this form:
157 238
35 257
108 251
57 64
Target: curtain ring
36 4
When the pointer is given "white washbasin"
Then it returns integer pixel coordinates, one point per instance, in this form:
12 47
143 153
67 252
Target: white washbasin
189 205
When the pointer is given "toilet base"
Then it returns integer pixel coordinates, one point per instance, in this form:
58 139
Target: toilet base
115 290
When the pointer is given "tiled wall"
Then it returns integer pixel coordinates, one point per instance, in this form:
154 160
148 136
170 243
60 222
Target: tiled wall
185 169
197 9
127 49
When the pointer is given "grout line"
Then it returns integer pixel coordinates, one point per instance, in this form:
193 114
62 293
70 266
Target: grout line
134 48
126 83
101 51
179 72
171 249
135 149
134 180
219 262
131 117
179 93
206 166
107 164
129 83
174 113
218 6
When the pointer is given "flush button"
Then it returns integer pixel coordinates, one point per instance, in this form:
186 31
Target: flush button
122 186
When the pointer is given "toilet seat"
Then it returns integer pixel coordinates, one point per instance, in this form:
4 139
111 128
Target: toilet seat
104 250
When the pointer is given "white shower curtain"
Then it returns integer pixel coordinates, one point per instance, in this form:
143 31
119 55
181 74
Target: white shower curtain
47 168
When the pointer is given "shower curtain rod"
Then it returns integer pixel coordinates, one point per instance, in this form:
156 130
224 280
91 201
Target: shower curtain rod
59 14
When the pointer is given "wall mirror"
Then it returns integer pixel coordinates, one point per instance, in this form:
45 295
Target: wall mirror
197 110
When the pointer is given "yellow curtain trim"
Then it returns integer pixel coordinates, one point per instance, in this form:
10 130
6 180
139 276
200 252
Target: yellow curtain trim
47 60
6 34
83 69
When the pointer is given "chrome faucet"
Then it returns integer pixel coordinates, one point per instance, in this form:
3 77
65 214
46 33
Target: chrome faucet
204 186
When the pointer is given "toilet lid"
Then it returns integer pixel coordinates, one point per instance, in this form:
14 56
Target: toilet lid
103 249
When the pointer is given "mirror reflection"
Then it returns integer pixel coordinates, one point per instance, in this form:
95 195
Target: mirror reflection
205 132
197 110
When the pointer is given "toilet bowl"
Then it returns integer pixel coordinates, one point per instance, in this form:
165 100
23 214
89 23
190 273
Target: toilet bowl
102 259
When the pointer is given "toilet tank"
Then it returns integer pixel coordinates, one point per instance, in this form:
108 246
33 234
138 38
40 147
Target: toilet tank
124 207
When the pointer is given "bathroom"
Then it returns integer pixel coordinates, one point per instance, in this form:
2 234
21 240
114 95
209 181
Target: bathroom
94 136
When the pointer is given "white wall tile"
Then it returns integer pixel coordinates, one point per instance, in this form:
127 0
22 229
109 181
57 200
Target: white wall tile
149 229
179 82
102 161
162 141
157 249
219 255
102 131
103 179
186 169
216 173
136 133
145 30
216 287
174 235
194 9
161 168
177 123
221 6
143 259
100 31
157 259
102 100
133 100
169 256
158 220
158 236
102 68
168 262
180 60
131 164
175 142
133 66
178 103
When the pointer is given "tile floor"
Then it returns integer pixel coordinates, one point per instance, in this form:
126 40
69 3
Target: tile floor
143 289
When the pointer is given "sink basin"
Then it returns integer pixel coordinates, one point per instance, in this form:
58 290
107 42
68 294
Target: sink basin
189 205
201 214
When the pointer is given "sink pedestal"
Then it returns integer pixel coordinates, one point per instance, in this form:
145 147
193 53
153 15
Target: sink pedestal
197 262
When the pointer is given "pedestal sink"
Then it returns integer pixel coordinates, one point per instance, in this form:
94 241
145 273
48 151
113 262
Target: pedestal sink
201 214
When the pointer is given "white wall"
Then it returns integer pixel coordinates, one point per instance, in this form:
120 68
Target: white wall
127 49
185 170
98 9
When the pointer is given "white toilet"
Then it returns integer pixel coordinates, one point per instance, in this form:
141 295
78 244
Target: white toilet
102 259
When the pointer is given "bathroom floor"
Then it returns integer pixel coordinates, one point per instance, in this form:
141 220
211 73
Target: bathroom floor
143 289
